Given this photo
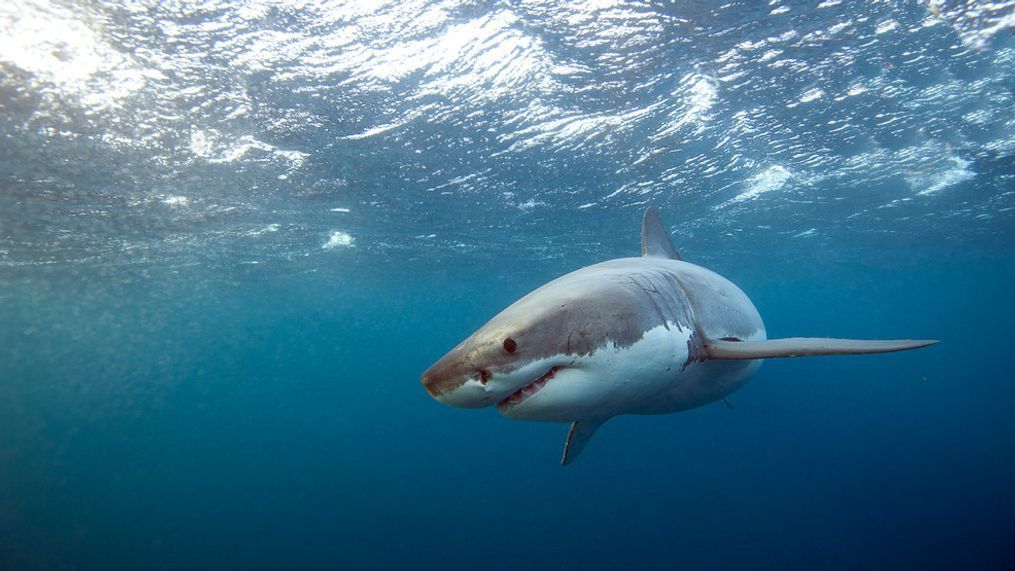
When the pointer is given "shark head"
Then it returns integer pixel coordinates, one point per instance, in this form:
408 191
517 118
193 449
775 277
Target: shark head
556 354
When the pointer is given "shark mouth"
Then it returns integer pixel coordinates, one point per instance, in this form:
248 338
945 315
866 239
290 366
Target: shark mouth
528 391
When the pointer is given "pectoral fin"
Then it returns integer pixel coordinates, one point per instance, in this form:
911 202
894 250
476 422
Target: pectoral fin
807 346
577 437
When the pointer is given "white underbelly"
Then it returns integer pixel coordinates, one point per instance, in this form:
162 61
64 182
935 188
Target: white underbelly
697 385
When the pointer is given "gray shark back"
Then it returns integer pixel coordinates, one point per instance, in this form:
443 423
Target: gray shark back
689 295
654 291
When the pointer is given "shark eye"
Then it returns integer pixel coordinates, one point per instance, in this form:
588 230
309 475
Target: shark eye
510 345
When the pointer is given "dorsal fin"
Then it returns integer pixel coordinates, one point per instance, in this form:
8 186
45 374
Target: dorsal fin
577 437
806 347
655 241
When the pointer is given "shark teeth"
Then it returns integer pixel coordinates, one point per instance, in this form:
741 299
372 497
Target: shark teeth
526 392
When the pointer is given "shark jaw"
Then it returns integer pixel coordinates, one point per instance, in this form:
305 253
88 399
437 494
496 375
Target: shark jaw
528 391
488 386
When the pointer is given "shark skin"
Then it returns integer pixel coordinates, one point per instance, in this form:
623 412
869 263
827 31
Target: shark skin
646 335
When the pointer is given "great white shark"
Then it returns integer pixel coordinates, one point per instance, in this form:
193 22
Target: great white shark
646 335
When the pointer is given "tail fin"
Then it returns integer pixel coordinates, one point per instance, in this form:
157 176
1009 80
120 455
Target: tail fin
806 347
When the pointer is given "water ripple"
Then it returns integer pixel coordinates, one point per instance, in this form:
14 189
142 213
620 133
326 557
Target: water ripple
179 132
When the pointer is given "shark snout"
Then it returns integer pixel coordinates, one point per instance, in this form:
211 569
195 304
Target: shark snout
457 384
438 385
442 377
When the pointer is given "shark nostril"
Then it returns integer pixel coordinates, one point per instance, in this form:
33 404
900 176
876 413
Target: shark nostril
484 376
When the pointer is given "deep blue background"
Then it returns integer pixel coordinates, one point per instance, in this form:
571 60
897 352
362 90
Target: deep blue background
270 421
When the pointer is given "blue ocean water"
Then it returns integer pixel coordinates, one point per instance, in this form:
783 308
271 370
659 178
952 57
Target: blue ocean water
232 236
